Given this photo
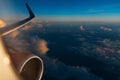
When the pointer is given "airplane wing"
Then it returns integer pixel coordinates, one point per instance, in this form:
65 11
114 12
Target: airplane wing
8 29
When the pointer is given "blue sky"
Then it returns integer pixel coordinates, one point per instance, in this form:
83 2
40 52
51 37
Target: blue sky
64 9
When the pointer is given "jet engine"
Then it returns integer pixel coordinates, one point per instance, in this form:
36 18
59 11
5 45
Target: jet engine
29 65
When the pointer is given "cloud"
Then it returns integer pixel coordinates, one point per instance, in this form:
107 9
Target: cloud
42 47
82 39
108 42
27 27
39 25
32 25
18 44
82 28
36 21
118 51
106 29
2 23
15 34
104 50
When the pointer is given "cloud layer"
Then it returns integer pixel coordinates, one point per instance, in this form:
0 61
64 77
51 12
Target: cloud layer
54 69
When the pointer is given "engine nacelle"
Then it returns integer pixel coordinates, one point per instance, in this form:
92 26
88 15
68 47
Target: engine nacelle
29 66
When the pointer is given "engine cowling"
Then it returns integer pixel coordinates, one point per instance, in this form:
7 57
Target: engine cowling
29 65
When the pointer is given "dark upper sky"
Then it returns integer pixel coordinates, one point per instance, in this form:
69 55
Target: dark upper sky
64 9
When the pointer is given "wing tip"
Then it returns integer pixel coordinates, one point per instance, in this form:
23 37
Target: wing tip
31 14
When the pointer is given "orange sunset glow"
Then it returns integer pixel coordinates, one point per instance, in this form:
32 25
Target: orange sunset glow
2 23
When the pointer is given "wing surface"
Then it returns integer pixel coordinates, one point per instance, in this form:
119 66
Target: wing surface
10 28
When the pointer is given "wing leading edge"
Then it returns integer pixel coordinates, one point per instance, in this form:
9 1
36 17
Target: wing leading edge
8 29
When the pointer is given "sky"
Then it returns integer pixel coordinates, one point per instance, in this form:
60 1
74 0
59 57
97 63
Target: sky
104 10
